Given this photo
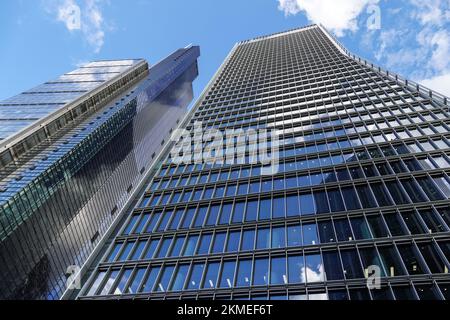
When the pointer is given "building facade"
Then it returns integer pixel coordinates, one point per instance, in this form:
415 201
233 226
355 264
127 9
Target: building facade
356 207
73 151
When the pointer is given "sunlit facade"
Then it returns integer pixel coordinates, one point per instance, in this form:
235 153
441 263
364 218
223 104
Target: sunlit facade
73 151
362 186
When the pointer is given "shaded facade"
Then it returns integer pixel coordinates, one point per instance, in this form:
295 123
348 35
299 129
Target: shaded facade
362 185
69 169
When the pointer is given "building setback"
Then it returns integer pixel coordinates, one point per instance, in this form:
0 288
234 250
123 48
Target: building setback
361 188
73 151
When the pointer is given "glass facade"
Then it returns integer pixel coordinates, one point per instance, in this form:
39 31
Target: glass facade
363 182
59 196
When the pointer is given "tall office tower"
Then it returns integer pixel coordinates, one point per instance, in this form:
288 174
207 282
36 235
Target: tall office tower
360 188
73 151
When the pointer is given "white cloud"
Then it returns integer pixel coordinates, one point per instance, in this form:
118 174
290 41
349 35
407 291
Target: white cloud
80 16
440 84
338 16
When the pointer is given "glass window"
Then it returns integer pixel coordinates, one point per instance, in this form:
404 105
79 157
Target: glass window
213 214
252 209
343 230
360 228
413 190
261 272
195 276
307 206
397 192
98 280
350 198
278 207
212 271
164 279
366 196
238 213
191 244
335 200
294 235
296 269
370 257
278 270
395 224
164 220
413 222
151 248
443 185
227 274
244 273
142 223
164 247
205 243
432 221
381 194
188 216
391 261
201 214
351 264
126 250
233 241
176 219
219 242
430 189
265 209
226 213
412 260
180 277
292 206
278 237
139 248
314 268
310 234
404 293
248 240
137 279
114 251
321 200
263 238
432 257
377 227
151 278
326 231
332 266
178 245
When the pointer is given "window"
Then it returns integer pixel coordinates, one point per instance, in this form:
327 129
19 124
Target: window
278 237
350 198
265 209
244 273
294 235
188 216
205 243
296 269
314 268
381 194
307 204
227 274
310 234
391 261
164 247
260 271
238 214
432 258
377 227
430 189
213 214
252 209
397 192
139 248
212 271
164 279
343 230
412 260
321 200
263 238
370 257
278 270
180 277
114 252
351 264
233 241
366 196
248 240
332 266
191 244
413 190
335 199
126 251
151 278
200 218
225 214
278 207
137 279
176 219
195 276
360 228
219 242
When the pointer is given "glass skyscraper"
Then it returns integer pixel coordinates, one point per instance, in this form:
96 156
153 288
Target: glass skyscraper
72 152
357 208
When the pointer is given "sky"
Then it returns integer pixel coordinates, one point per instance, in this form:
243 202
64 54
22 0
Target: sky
42 39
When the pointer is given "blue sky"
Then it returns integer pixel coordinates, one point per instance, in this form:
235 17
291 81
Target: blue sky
41 40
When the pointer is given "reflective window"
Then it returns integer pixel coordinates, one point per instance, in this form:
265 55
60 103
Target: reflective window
278 271
261 272
244 273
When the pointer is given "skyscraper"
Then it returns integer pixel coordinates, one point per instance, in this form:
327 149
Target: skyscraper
355 204
73 151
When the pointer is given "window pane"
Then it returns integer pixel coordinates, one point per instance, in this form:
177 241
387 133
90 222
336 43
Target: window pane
233 241
263 239
278 207
411 259
292 206
205 242
314 268
370 257
432 257
212 271
225 214
180 277
137 279
381 194
321 200
333 268
244 273
278 237
150 281
397 192
294 235
343 230
307 204
350 198
265 209
252 209
261 271
238 214
391 261
189 249
430 188
195 277
248 240
227 277
164 280
219 242
296 267
335 199
310 234
278 270
366 196
360 228
351 264
326 232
